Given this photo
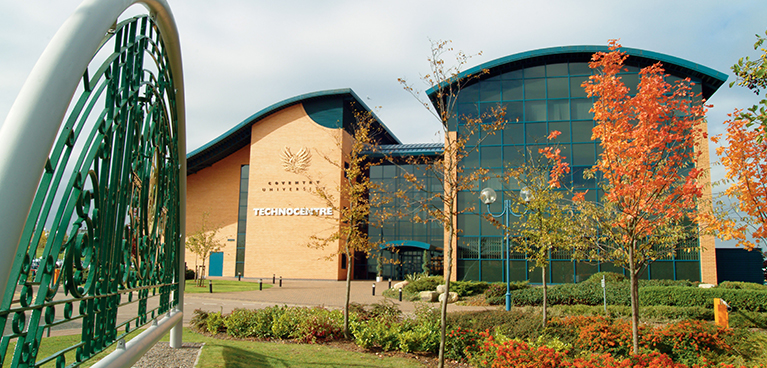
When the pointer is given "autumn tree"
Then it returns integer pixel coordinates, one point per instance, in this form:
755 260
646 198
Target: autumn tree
545 217
202 243
745 159
441 207
646 168
353 210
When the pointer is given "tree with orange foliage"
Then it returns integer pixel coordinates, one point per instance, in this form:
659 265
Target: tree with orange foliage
647 168
745 158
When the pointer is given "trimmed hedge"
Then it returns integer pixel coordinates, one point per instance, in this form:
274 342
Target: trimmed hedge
739 299
588 293
523 324
741 285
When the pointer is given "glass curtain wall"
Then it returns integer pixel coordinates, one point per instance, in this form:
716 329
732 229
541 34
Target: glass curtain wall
400 213
537 99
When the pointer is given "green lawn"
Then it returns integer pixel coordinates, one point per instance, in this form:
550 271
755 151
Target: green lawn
223 286
234 353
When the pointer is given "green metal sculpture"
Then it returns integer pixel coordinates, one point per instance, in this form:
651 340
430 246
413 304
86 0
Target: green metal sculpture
109 193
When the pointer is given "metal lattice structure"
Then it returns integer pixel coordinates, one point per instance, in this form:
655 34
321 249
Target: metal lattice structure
111 192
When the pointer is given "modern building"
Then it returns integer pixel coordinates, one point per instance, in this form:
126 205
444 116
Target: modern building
254 181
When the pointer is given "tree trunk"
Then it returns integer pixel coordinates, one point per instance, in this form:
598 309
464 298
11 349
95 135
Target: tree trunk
543 277
448 261
634 298
348 293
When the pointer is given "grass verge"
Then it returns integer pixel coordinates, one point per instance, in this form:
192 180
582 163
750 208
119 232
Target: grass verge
223 286
243 353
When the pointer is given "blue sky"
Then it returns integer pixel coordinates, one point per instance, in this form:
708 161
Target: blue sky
242 55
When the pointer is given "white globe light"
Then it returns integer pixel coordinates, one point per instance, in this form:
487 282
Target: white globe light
487 196
526 194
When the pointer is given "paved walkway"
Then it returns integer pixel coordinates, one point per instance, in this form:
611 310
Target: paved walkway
305 293
329 294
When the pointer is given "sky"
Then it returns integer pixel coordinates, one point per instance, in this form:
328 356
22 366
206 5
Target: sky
240 56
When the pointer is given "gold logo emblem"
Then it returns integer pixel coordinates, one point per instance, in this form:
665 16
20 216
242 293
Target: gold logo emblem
297 162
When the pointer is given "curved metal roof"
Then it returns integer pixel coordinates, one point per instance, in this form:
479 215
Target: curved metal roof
710 78
329 108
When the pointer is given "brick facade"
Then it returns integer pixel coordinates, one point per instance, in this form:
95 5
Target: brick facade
275 245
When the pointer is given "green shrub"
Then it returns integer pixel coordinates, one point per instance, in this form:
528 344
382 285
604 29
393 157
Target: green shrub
657 313
571 294
424 284
261 323
238 323
377 332
199 320
496 292
518 323
319 324
740 299
669 313
746 319
675 293
610 277
468 288
426 315
188 274
215 323
420 333
358 310
421 338
286 325
741 285
667 282
363 334
385 309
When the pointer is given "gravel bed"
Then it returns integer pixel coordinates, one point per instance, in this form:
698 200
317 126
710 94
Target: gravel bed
162 355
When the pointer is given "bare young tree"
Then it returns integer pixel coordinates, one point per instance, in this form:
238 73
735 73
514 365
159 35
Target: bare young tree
202 243
447 82
353 210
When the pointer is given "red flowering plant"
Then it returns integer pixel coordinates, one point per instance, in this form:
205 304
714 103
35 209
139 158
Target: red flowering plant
689 342
462 342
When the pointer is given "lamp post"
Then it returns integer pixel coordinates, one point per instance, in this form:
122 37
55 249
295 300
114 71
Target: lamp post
488 197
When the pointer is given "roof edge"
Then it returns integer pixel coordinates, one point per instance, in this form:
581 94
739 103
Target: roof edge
285 104
664 58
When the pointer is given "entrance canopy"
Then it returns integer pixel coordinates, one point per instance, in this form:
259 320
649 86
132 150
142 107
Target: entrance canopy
407 244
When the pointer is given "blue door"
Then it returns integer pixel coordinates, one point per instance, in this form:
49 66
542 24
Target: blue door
216 264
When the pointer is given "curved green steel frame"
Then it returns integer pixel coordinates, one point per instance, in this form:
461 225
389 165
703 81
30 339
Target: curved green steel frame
110 194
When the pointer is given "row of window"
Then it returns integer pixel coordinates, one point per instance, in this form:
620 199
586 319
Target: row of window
546 81
489 157
493 247
561 272
519 111
531 133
